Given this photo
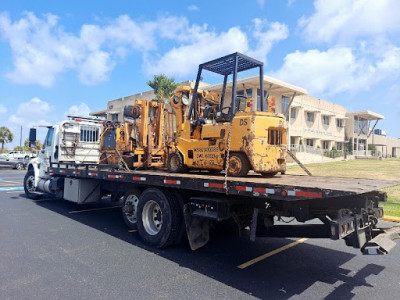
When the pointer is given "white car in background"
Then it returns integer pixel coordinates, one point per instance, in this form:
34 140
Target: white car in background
17 155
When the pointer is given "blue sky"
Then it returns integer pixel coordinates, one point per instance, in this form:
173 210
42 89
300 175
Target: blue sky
60 57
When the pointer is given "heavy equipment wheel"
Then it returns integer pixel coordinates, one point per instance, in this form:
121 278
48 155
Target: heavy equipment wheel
175 163
238 165
19 166
159 218
268 174
129 208
29 185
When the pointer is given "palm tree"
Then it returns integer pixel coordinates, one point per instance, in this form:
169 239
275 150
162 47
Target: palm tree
163 86
6 136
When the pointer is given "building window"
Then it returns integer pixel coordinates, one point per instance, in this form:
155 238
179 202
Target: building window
325 120
114 117
340 123
325 145
259 100
339 146
285 104
310 142
310 117
249 93
360 125
293 113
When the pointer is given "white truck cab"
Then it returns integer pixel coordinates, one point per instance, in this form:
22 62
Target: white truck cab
76 140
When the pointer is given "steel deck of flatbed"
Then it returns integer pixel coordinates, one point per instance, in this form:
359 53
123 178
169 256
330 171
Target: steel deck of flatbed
279 187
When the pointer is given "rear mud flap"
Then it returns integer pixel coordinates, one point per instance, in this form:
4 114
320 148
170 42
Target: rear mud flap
383 242
197 229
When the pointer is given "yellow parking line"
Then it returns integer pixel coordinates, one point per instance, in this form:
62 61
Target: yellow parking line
391 219
269 254
11 192
133 230
92 209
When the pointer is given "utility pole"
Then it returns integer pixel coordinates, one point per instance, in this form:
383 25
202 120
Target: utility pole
20 138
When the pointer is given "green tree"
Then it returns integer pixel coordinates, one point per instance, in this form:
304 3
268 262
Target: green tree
6 136
19 148
163 86
39 145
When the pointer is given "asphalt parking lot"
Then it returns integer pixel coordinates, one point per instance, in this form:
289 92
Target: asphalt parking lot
55 249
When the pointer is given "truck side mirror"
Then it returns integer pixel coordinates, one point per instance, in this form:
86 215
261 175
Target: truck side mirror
32 138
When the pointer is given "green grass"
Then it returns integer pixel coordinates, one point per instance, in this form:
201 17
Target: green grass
387 169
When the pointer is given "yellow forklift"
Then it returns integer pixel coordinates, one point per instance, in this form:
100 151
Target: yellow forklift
217 132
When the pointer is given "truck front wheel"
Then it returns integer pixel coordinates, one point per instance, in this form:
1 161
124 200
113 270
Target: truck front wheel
159 218
129 208
29 185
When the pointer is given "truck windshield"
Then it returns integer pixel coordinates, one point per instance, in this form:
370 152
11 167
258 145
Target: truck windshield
49 138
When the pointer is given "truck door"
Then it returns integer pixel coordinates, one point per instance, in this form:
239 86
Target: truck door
47 152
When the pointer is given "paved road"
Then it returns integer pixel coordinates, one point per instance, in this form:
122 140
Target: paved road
54 249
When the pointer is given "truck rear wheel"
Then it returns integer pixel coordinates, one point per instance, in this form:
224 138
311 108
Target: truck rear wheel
238 165
129 208
159 218
29 185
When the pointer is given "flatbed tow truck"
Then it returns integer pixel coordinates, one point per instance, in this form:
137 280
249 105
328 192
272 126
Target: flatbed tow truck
168 205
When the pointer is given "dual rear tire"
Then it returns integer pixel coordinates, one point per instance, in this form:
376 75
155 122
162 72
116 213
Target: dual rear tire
157 214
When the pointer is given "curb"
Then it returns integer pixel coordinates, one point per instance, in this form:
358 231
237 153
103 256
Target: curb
391 219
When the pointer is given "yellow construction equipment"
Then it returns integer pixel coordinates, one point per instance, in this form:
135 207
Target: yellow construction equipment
202 130
137 142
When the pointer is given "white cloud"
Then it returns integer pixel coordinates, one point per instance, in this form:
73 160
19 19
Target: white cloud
183 60
32 113
42 49
193 8
338 70
81 110
266 39
3 109
345 21
204 45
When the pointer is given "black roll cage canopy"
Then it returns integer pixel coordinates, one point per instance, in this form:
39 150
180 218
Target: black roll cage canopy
227 65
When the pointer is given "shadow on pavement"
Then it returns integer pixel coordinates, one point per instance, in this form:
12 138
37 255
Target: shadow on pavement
281 276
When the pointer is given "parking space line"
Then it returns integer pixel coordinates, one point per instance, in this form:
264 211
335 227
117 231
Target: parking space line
92 209
11 188
13 192
10 181
269 254
133 230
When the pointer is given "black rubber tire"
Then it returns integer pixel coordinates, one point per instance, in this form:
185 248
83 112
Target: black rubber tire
19 166
244 166
29 176
175 163
129 209
171 215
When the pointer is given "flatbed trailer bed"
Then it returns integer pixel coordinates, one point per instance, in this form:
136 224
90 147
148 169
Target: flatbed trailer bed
280 187
164 206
